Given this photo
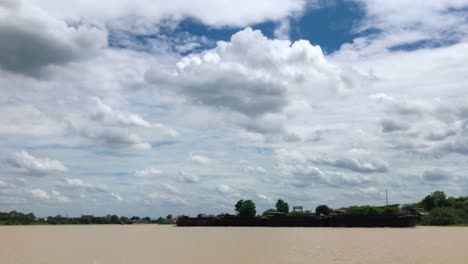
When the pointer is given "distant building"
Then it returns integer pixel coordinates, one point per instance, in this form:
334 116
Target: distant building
298 208
86 216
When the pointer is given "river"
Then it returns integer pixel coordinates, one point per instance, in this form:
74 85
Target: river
139 244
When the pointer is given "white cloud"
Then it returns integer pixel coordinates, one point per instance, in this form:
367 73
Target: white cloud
60 197
357 164
106 115
150 172
189 178
265 198
283 29
223 188
24 30
201 159
41 194
114 138
146 13
256 78
257 169
27 163
117 197
74 183
306 175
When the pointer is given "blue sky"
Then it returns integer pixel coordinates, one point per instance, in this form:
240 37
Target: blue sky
156 107
328 26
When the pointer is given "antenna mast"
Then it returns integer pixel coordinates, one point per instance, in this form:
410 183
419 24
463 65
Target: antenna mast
386 196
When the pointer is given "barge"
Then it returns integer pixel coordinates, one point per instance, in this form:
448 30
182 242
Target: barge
339 220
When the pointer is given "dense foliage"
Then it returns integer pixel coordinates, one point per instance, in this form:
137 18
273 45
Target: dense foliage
246 208
16 218
372 210
282 206
323 209
445 216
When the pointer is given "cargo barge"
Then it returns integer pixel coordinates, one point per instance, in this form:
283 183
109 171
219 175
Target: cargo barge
339 220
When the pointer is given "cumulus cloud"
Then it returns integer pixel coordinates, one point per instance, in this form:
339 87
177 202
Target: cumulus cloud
257 169
150 13
106 115
223 188
201 159
188 178
26 163
354 161
362 165
116 129
256 77
25 30
265 198
40 194
113 138
400 15
60 197
306 175
117 197
150 172
74 183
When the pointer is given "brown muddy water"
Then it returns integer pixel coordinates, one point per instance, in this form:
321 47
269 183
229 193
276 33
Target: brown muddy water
139 244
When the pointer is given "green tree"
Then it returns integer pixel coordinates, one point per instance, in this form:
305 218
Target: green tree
114 219
323 209
238 205
169 217
246 208
434 200
282 206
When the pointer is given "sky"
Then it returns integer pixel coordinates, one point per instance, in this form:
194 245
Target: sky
184 107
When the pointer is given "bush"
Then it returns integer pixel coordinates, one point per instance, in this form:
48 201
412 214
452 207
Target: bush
443 216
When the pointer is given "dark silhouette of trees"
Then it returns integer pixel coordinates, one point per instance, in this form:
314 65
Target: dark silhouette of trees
323 209
282 206
246 208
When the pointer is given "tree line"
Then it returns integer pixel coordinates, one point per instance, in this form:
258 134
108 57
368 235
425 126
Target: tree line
18 218
437 209
441 210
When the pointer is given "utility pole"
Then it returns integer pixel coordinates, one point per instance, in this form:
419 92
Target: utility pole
386 196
